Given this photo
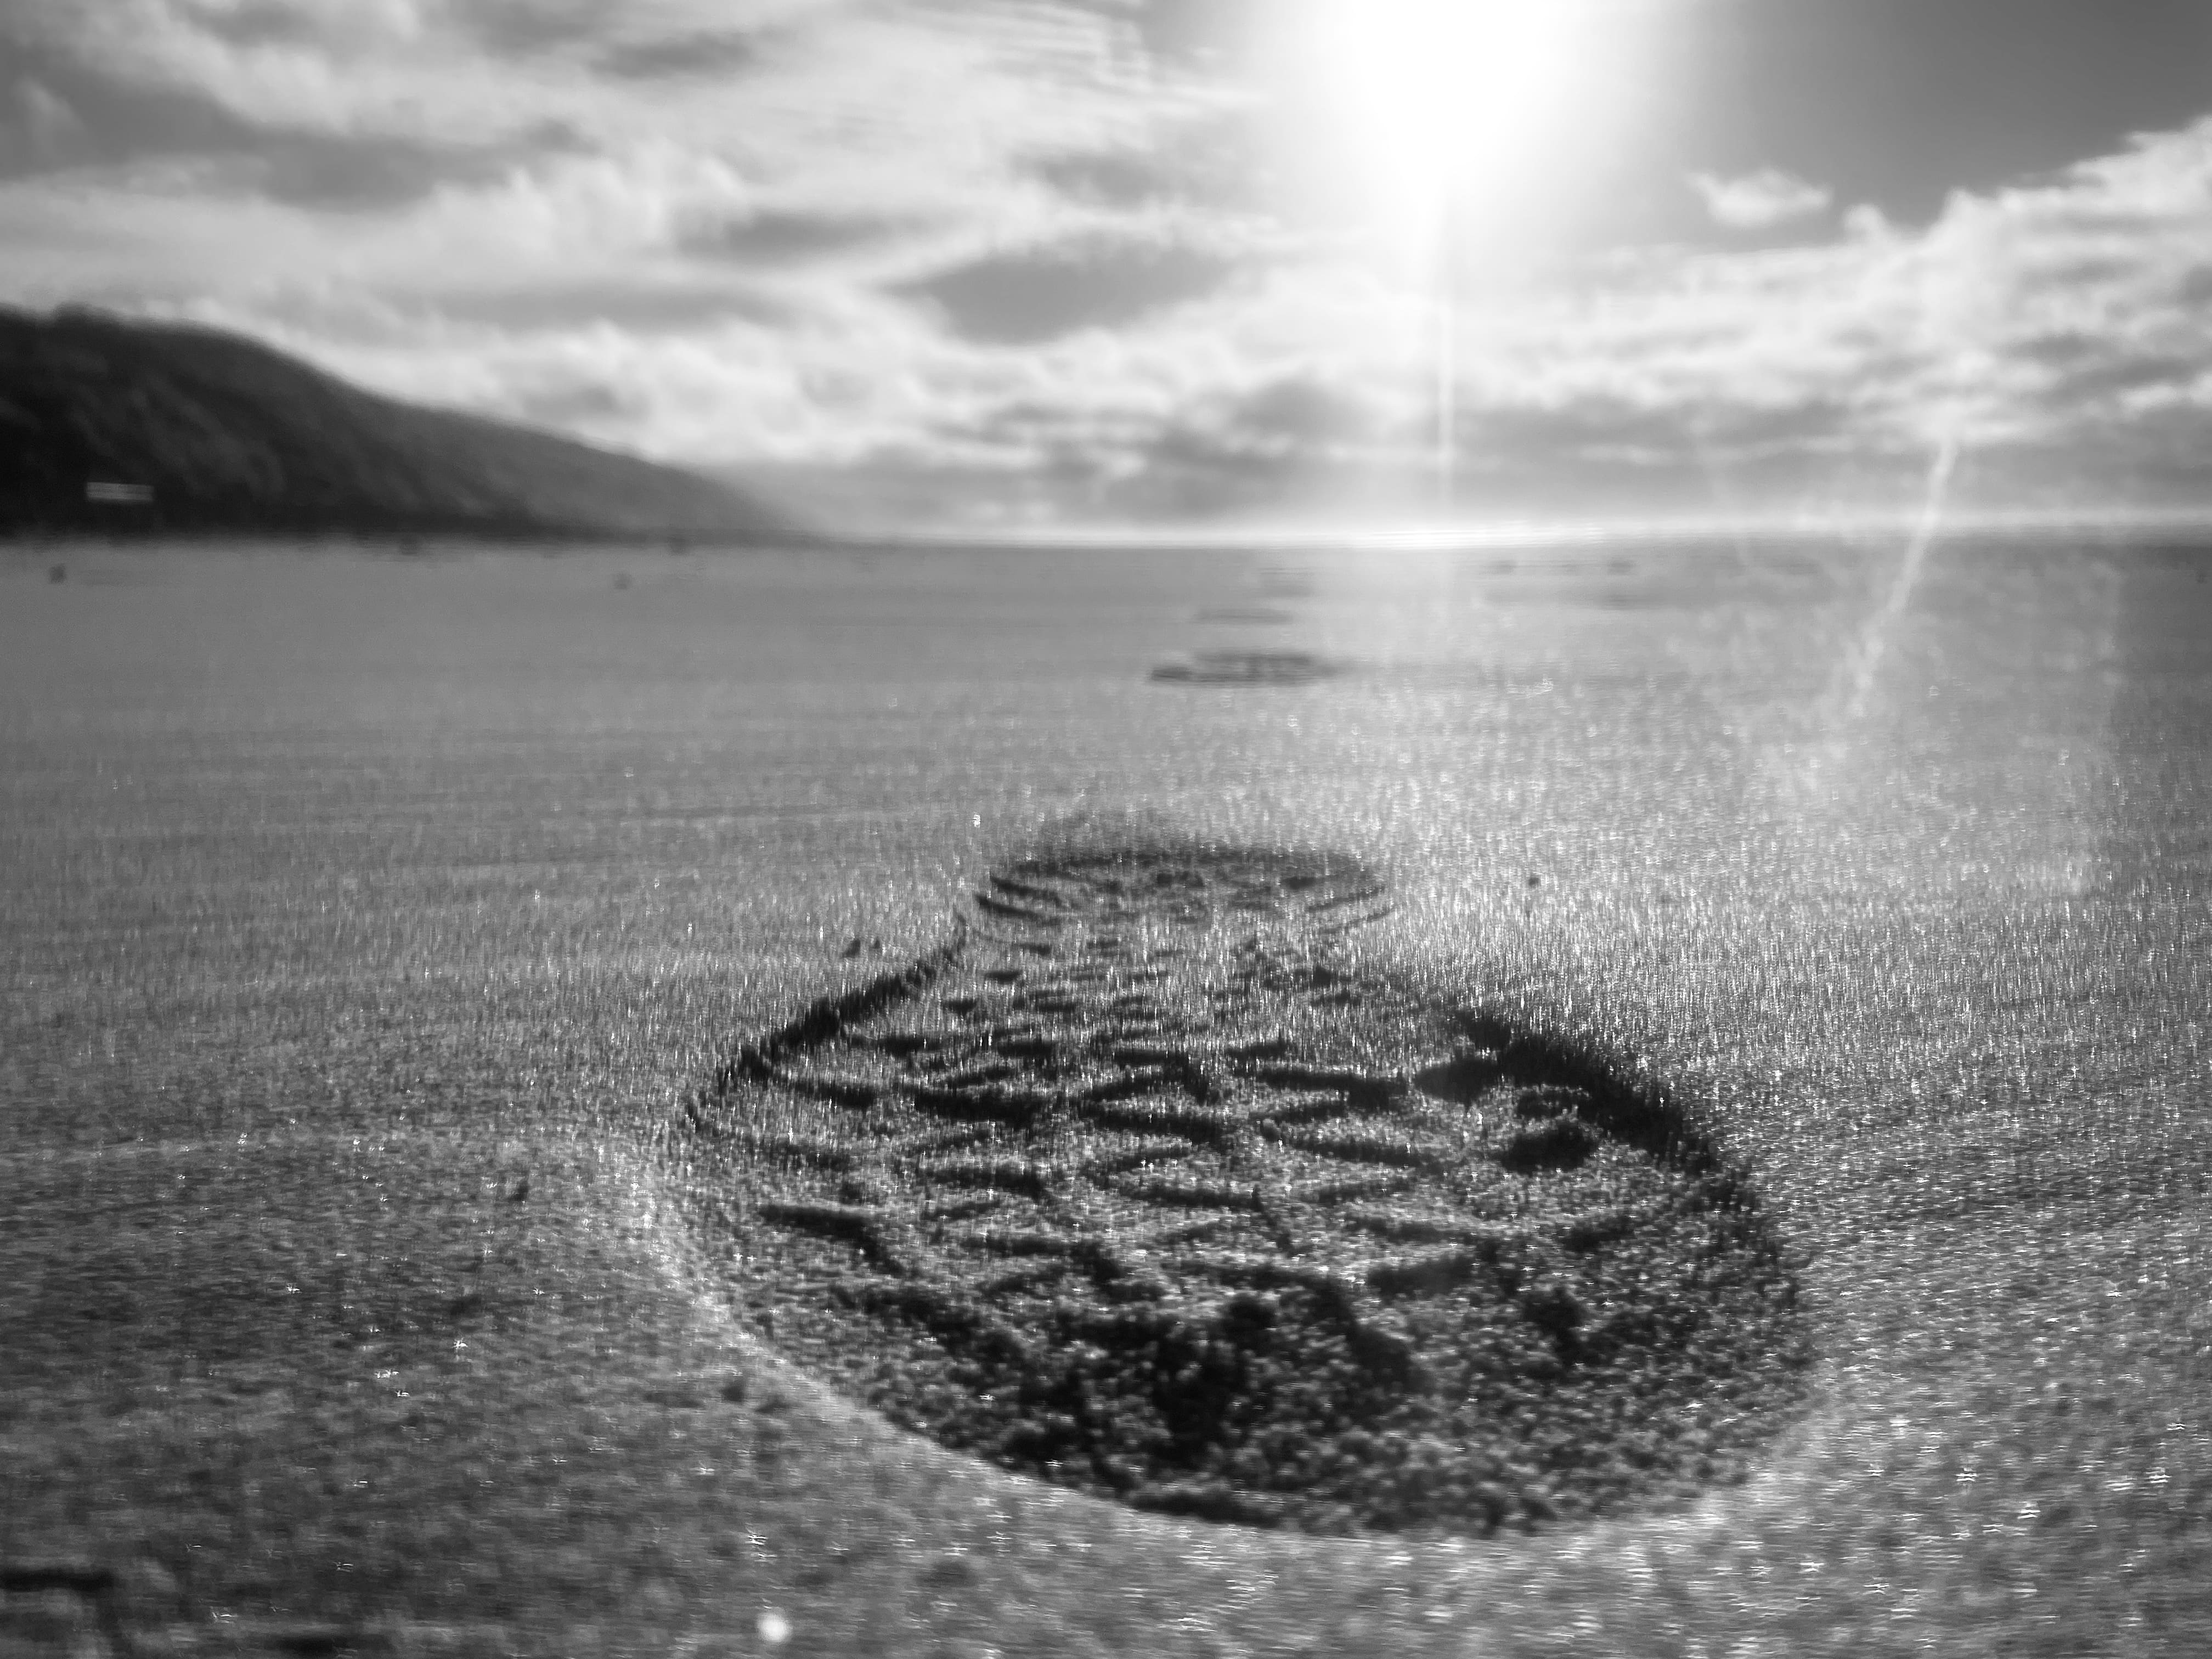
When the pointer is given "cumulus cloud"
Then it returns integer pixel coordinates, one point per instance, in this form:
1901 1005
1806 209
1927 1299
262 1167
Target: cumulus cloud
765 234
2056 333
1018 299
42 125
2021 325
772 235
1183 31
667 58
1760 200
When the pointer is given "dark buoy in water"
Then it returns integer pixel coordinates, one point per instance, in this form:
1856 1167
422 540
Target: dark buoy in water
58 572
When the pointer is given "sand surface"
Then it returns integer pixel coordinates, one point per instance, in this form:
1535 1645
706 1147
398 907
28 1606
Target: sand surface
371 927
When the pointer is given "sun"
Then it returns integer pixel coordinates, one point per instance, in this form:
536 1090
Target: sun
1464 145
1456 116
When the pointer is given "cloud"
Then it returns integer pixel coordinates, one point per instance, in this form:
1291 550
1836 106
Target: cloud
713 53
621 302
2028 324
1275 449
785 235
1018 299
70 119
1020 259
2056 331
1760 200
1107 177
422 69
39 128
1207 158
576 405
523 28
268 22
1184 32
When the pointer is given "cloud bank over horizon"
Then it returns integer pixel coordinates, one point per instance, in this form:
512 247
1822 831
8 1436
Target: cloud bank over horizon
1067 261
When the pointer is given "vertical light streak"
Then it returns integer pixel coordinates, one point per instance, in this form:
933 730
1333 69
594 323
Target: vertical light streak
1851 689
1447 396
1874 640
1726 506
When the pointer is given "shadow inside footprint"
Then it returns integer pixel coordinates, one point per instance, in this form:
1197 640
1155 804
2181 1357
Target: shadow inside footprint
1148 1184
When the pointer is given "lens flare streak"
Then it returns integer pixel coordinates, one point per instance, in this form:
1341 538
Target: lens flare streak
1852 688
1865 659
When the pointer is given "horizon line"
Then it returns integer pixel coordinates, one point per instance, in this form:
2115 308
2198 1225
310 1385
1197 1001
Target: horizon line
1533 533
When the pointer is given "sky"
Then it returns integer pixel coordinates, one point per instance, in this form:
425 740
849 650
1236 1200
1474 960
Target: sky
1021 264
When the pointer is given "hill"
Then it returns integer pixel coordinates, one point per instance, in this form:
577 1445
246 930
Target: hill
231 436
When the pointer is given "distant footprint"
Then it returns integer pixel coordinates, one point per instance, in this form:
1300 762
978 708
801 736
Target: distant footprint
1253 615
1144 1186
1249 668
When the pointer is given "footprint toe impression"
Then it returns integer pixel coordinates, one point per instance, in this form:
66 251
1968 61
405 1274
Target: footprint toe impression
1144 1185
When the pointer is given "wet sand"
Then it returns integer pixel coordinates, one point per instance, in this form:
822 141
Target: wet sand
371 924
